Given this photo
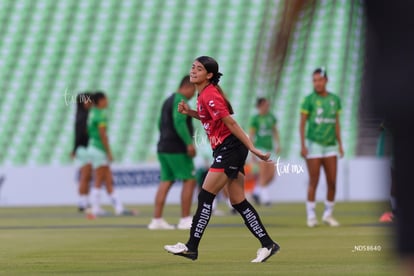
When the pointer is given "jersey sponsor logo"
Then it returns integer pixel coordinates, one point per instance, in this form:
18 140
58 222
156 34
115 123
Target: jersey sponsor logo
264 132
253 223
203 220
211 103
218 159
321 120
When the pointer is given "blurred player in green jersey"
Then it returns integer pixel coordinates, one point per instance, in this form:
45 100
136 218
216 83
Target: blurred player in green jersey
321 144
100 153
79 152
264 133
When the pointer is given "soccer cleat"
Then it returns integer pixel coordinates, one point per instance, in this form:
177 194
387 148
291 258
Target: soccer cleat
312 222
181 249
387 217
185 223
331 221
160 224
265 253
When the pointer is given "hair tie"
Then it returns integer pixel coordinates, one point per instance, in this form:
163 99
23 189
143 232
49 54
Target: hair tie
216 78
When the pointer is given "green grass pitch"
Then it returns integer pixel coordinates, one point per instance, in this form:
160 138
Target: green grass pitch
60 241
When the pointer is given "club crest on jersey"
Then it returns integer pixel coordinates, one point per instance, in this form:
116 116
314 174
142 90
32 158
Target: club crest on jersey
211 103
319 111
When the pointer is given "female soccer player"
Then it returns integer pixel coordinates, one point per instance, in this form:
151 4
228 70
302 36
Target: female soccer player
79 153
101 155
230 146
320 111
264 133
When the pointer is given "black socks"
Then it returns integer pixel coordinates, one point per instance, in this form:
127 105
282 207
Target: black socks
200 219
252 221
203 215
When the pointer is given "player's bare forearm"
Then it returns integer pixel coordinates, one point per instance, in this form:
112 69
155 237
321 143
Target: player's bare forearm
338 131
237 131
303 118
252 134
193 114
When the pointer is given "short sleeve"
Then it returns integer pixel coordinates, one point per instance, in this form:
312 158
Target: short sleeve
253 123
102 120
305 107
274 119
339 106
216 107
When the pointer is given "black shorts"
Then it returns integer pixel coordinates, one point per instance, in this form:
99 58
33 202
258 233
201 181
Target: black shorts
230 157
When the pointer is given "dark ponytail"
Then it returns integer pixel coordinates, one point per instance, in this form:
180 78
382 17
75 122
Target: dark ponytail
230 108
81 99
211 66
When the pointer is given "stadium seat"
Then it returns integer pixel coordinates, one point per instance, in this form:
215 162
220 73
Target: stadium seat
137 52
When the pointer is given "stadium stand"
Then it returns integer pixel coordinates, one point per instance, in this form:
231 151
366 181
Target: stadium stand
330 37
137 51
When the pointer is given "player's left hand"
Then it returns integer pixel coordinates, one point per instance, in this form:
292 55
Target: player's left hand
191 151
261 155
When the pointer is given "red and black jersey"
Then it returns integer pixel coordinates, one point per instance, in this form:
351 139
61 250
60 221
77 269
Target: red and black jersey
211 108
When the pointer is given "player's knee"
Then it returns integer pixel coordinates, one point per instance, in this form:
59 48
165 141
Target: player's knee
312 187
332 185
